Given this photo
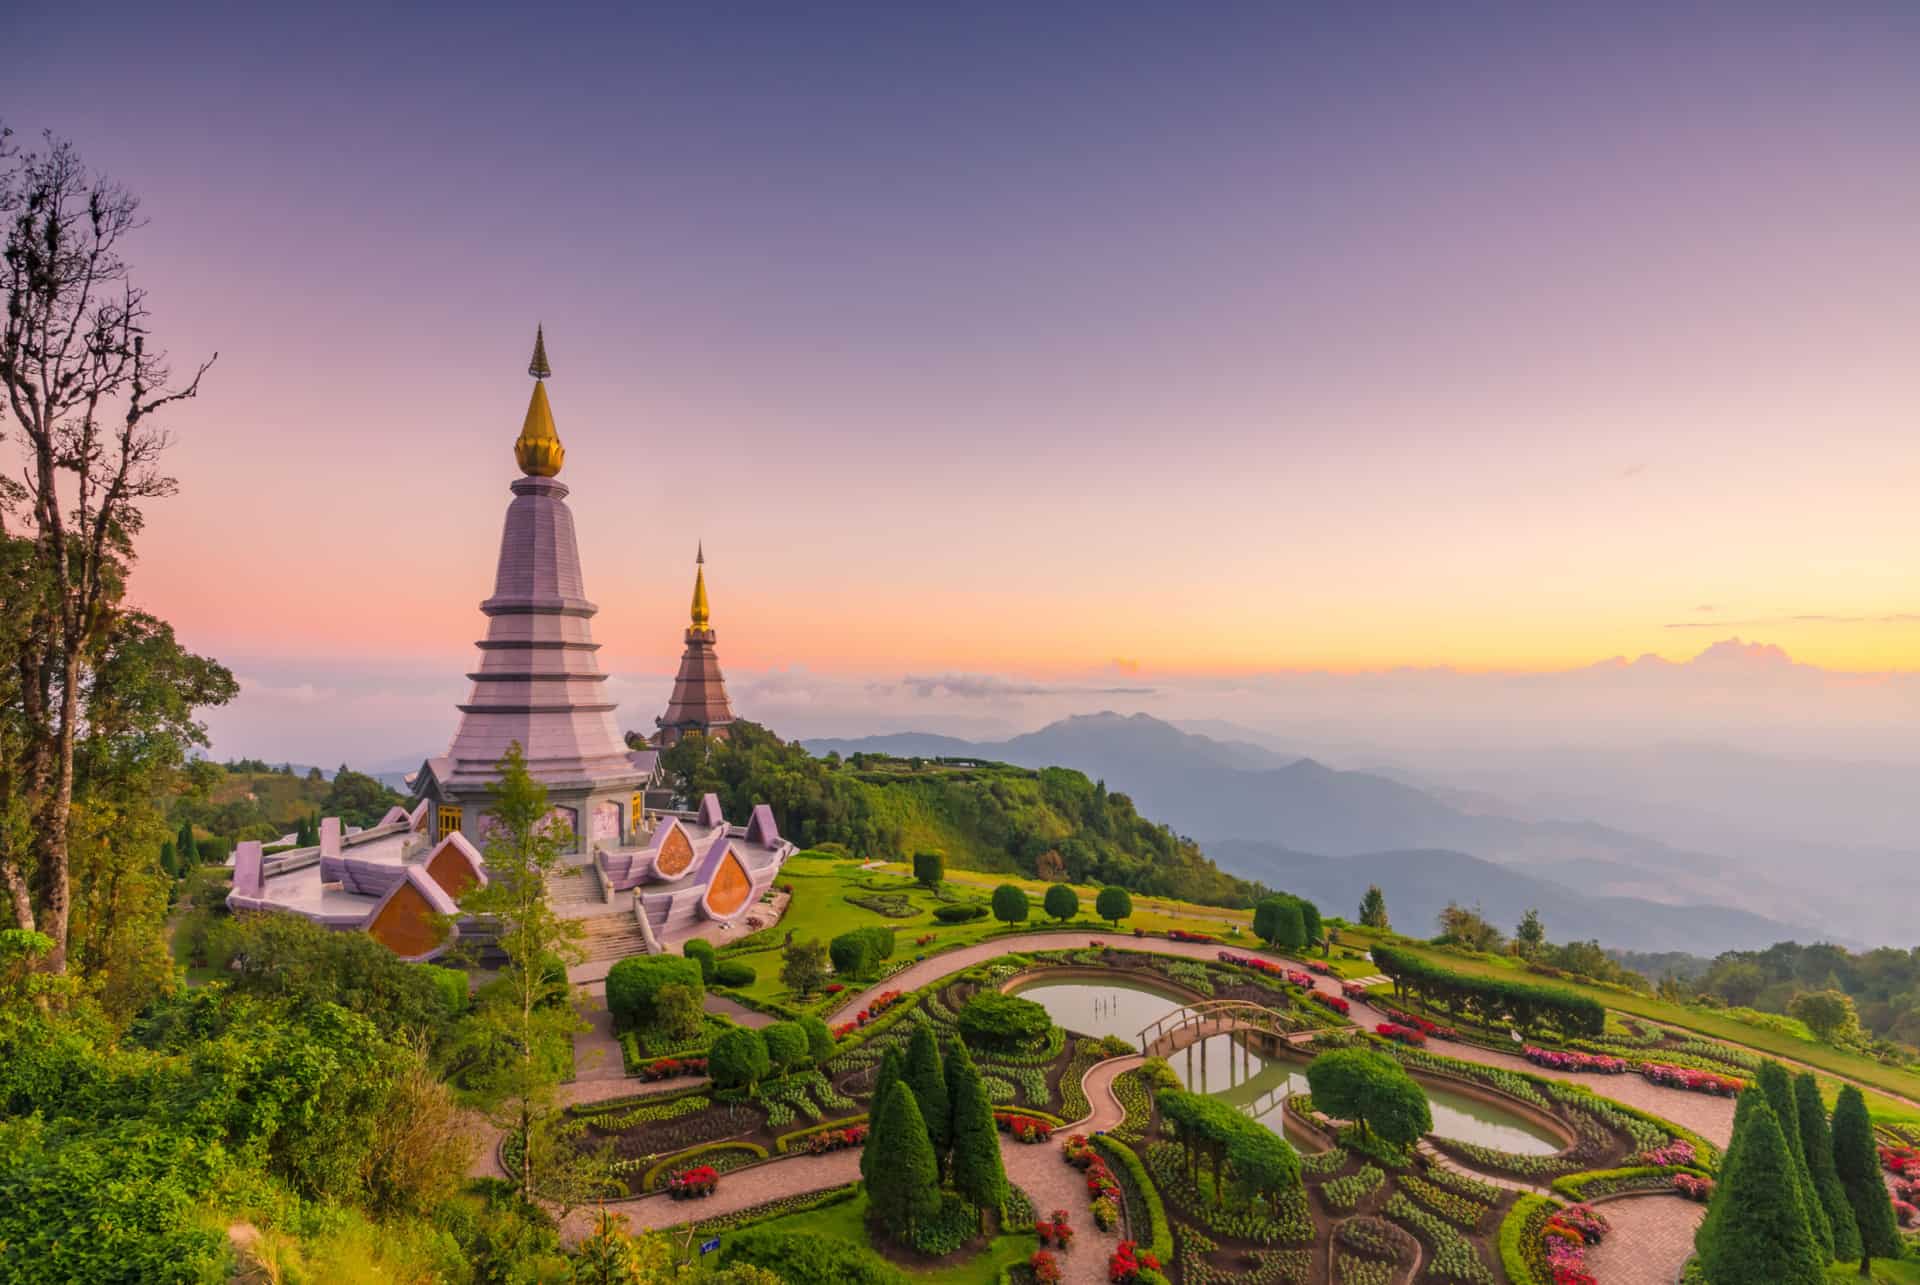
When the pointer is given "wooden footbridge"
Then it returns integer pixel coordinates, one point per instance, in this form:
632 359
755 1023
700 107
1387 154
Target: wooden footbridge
1199 1021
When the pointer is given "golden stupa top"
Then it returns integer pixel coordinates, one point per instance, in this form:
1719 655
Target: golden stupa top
700 589
538 447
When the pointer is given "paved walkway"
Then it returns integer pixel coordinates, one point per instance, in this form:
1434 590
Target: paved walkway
596 1050
1652 1236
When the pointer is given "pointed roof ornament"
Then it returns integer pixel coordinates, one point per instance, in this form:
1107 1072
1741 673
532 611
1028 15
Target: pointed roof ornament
700 617
700 554
538 450
538 367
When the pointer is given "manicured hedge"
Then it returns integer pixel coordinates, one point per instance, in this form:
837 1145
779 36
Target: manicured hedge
1526 1004
962 914
1158 1235
788 1141
733 973
745 1152
1519 1237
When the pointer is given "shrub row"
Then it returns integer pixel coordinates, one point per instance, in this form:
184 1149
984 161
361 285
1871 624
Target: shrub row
722 1156
1157 1234
1526 1004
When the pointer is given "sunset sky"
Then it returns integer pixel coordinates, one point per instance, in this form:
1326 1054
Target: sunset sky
1087 341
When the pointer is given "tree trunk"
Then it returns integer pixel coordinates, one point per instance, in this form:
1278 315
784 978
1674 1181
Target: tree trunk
54 872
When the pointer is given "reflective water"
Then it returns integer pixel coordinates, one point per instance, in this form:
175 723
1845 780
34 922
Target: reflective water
1224 1067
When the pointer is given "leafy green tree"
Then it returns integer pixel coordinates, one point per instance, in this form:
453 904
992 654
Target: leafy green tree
1113 904
979 1174
1856 1161
910 1191
1061 903
927 1076
185 846
1010 904
523 854
1371 1090
1817 1137
1310 920
1530 936
739 1059
1373 909
358 799
852 954
1756 1227
803 967
1774 1081
892 1070
1829 1014
929 868
1005 1022
167 860
786 1046
1278 922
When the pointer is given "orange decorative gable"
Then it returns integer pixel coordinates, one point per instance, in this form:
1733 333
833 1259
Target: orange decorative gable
676 854
405 924
730 888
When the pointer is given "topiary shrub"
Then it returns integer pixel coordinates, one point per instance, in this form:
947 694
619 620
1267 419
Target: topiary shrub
960 914
1010 904
786 1046
738 1059
852 956
1061 902
701 951
1113 904
819 1039
634 982
996 1021
728 972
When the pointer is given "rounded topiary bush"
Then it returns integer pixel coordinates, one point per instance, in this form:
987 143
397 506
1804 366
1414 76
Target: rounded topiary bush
961 914
1011 904
728 972
634 982
738 1058
701 951
787 1046
851 954
993 1020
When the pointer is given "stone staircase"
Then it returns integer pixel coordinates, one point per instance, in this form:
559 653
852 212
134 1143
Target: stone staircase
575 893
611 937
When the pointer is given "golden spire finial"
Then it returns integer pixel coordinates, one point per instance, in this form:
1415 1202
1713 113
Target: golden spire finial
700 617
538 447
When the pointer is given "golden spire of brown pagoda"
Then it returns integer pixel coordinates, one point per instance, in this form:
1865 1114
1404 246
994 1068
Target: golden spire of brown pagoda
700 617
538 449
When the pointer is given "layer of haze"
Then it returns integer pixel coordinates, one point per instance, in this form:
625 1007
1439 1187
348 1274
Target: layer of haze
1076 355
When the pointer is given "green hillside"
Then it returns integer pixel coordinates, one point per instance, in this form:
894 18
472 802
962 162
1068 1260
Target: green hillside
1053 823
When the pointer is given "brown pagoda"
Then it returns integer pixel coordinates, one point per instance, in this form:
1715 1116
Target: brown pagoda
699 702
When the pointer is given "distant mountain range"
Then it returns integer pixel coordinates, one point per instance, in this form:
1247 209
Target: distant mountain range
1270 816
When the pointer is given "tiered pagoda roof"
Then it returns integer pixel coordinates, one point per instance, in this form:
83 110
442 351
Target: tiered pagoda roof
699 702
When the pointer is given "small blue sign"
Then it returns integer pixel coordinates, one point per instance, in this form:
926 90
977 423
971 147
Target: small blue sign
708 1246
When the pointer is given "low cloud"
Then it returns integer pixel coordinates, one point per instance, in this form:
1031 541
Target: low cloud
989 687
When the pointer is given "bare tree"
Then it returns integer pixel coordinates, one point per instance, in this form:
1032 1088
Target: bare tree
83 389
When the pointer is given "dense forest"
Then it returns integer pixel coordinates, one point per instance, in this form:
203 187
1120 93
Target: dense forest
1053 823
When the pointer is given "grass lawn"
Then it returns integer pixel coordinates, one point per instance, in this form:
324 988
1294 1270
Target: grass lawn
847 1221
1862 1070
1885 1270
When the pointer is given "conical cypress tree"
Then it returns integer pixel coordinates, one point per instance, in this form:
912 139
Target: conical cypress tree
1756 1228
978 1174
185 851
1817 1137
892 1068
911 1189
1856 1161
1778 1086
929 1080
167 859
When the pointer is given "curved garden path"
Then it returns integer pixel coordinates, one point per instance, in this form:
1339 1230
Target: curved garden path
1710 1117
1039 1169
1652 1237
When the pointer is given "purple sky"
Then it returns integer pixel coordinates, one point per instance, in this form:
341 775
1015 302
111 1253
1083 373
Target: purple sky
1039 340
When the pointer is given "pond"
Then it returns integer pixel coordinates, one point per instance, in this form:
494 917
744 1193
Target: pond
1225 1068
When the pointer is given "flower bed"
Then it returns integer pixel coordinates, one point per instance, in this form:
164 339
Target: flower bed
1303 980
1901 1161
825 1140
1127 1263
1400 1034
1682 1077
1056 1229
1673 1155
1255 963
1454 1256
1345 1193
1568 1235
1693 1187
1431 1029
1045 1267
1568 1060
1335 1002
1181 934
1456 1209
1353 990
696 1183
666 1068
1024 1127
